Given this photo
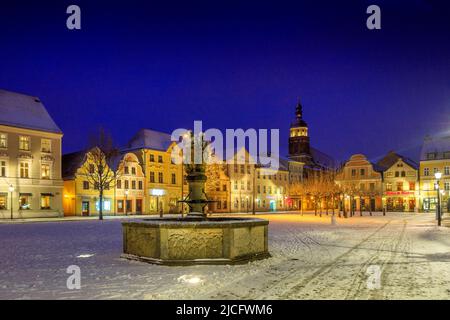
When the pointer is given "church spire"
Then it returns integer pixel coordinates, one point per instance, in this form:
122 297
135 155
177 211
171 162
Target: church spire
299 110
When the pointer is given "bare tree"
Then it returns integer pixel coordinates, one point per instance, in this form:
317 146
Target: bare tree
98 168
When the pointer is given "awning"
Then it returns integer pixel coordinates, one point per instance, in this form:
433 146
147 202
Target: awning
47 194
25 194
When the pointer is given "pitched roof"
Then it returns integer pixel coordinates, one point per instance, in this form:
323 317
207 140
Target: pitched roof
150 139
437 145
391 158
322 159
71 162
19 110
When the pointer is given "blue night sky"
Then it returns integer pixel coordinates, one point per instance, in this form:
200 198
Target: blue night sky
163 64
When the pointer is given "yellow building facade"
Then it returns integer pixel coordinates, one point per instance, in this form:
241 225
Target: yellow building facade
434 157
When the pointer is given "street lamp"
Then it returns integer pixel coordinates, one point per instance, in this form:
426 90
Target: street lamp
11 190
438 176
126 201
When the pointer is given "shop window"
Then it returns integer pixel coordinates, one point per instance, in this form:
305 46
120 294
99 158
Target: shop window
3 201
25 201
45 202
120 206
106 205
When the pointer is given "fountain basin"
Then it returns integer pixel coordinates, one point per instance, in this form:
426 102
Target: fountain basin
196 241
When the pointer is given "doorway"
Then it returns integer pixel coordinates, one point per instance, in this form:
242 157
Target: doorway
138 206
85 208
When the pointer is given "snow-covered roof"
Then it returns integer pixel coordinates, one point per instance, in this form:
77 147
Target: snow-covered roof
150 139
437 145
322 159
23 111
391 158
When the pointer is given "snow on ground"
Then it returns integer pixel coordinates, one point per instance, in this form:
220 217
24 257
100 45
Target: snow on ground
311 259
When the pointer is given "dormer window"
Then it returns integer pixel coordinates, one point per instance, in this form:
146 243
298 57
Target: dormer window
431 156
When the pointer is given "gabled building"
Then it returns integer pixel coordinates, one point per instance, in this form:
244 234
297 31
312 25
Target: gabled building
361 181
400 182
125 195
164 179
434 157
30 159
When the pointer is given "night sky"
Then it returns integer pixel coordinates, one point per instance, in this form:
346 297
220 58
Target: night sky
163 64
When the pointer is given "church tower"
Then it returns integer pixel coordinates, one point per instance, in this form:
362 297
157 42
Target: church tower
299 149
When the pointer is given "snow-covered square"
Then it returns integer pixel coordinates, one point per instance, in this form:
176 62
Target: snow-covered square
311 259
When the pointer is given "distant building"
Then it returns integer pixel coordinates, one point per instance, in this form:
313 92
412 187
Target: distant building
30 158
361 184
400 182
434 157
300 149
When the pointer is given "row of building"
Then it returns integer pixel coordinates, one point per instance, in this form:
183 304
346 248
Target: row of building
398 183
36 180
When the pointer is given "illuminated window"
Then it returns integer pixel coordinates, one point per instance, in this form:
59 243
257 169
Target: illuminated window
388 186
46 145
3 140
3 201
45 202
399 186
106 205
25 201
412 186
45 171
24 170
120 205
3 168
24 143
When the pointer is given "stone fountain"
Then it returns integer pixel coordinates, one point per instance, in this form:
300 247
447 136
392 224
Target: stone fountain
196 238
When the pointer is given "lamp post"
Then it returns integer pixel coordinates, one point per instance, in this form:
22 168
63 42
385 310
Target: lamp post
438 176
126 202
11 190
